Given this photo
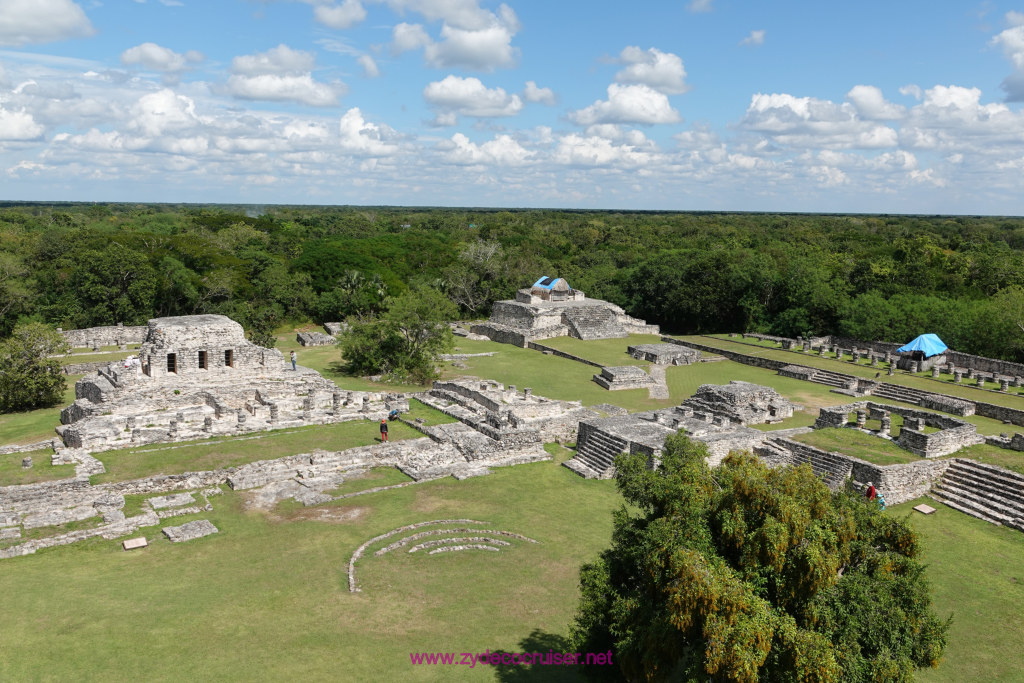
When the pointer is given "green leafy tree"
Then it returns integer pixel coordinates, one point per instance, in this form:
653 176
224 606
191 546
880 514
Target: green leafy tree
28 377
745 573
405 342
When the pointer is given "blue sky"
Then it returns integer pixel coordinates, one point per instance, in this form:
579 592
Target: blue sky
908 107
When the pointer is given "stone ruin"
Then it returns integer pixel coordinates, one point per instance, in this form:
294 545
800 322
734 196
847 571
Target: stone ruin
624 377
496 421
741 402
108 335
665 354
197 376
315 339
950 436
334 329
717 415
532 316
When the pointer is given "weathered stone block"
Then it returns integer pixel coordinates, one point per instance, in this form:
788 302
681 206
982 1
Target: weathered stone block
133 543
189 531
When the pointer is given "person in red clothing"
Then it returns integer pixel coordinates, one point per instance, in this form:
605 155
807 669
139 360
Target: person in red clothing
384 430
870 492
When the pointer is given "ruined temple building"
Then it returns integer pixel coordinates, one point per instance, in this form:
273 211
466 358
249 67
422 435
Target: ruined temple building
551 308
198 375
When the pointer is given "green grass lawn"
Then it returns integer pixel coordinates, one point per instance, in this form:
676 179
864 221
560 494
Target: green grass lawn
377 476
991 455
97 357
267 597
977 577
607 352
12 473
430 416
133 463
35 425
857 444
922 381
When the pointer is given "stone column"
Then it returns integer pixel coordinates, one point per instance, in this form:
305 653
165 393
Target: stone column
981 382
366 404
874 361
935 371
888 356
807 347
241 418
958 377
862 418
180 417
822 350
130 423
135 435
207 424
511 388
854 355
335 402
891 371
173 428
1004 384
970 373
275 413
26 463
886 425
307 408
527 392
1015 382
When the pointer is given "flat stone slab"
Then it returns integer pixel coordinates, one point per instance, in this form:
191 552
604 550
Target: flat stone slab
171 501
10 533
190 531
924 509
133 543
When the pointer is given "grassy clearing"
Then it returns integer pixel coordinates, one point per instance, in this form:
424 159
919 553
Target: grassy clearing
991 455
267 597
133 463
97 357
857 444
430 416
12 473
35 425
377 476
55 530
977 577
607 352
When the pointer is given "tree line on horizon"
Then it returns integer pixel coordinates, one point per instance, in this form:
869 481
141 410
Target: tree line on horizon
870 277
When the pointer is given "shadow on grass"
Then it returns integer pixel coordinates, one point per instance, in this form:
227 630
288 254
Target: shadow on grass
546 644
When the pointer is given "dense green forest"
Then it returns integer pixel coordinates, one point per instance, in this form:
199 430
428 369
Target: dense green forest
870 277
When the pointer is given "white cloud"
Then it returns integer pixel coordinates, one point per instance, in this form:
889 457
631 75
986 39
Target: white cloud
628 104
41 21
18 125
579 150
370 69
362 137
871 104
755 38
281 74
346 15
698 138
158 58
911 90
535 94
1012 42
405 37
813 123
279 60
163 112
470 97
470 37
698 6
501 151
662 71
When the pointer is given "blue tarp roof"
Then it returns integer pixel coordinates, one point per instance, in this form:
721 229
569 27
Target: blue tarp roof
546 282
930 344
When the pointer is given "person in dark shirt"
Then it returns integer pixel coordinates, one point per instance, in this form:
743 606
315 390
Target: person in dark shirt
384 430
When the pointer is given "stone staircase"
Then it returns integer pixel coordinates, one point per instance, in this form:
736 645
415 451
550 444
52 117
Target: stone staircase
833 379
983 491
593 322
896 392
595 455
832 468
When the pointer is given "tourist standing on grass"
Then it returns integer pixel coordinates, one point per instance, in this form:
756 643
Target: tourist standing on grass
871 493
294 358
384 429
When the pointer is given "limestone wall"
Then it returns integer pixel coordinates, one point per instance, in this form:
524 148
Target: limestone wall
111 335
561 354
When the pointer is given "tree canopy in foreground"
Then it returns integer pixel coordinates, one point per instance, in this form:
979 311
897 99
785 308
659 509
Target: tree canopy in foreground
747 573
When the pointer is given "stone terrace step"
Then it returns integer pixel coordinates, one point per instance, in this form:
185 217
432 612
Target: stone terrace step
992 503
984 491
968 478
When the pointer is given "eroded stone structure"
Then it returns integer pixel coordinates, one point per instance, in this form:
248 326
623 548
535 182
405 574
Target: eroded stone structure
950 434
196 376
619 377
109 335
315 339
531 317
665 354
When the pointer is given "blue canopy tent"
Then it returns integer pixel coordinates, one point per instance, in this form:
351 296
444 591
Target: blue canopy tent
928 344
